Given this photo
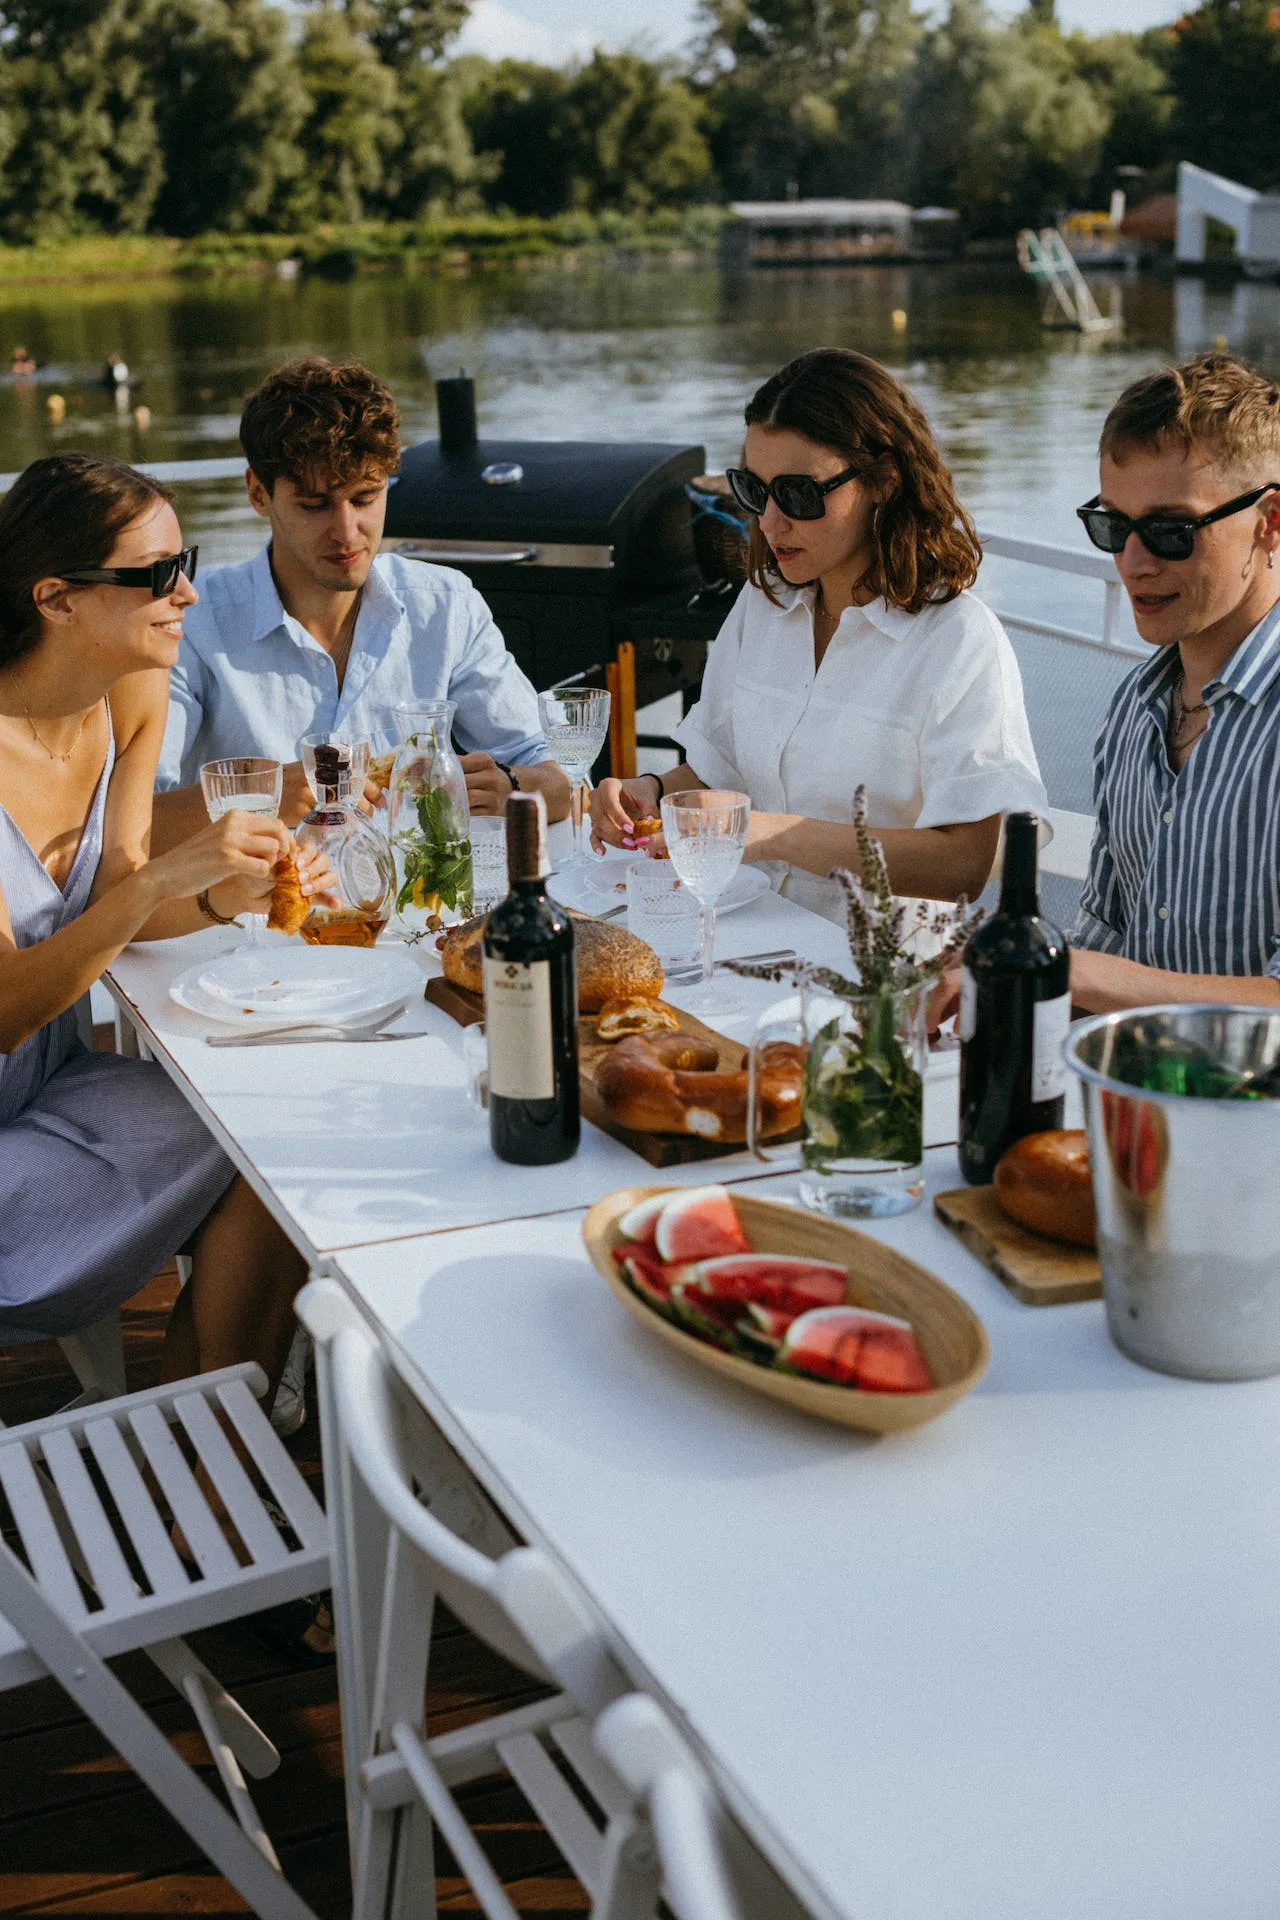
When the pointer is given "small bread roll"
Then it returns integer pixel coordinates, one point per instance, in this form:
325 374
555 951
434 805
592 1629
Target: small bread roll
612 963
635 1014
289 905
380 765
1042 1181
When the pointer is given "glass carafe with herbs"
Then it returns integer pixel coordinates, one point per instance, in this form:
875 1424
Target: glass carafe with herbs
429 823
359 907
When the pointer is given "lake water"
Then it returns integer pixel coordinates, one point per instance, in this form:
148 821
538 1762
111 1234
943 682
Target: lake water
653 352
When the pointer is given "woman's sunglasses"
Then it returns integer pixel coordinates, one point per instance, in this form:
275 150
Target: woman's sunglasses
797 495
1160 534
161 576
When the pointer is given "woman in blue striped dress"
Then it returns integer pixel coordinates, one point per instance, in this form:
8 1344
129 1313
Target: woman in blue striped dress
105 1172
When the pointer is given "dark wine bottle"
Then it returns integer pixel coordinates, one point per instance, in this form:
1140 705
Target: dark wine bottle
1015 1008
531 1004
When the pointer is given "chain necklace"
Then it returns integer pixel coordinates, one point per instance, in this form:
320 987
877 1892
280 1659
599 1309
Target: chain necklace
1180 713
38 737
339 657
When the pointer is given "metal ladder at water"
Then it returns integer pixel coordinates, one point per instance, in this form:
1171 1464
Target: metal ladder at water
1069 301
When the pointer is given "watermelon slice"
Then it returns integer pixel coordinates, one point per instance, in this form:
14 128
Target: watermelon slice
855 1347
649 1276
698 1225
760 1330
784 1281
711 1320
640 1223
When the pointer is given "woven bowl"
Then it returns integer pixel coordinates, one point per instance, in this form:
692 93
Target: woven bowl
953 1339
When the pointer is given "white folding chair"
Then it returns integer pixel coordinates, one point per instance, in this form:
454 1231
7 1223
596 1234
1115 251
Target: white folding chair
1067 854
710 1870
99 1575
392 1557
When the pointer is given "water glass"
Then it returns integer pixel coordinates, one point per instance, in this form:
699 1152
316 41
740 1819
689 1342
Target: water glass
662 912
354 748
247 785
475 1058
575 721
706 831
488 861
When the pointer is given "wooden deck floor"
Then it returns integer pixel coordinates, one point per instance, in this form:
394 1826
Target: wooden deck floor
78 1834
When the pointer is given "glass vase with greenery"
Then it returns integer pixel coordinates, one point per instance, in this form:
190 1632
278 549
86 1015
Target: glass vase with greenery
864 1039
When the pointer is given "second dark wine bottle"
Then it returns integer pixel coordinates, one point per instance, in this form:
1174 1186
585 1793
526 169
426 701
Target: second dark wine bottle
1015 1008
531 1004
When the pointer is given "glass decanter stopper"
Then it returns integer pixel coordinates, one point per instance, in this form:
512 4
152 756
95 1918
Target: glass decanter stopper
358 854
430 823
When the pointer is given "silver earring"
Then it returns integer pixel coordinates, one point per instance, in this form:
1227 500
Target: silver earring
1271 558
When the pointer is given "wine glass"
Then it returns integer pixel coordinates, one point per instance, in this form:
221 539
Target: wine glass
576 723
706 833
251 785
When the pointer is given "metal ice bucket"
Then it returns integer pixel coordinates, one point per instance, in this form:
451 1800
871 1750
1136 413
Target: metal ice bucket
1188 1197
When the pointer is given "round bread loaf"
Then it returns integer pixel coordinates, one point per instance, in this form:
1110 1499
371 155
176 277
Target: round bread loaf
635 1014
612 963
1042 1181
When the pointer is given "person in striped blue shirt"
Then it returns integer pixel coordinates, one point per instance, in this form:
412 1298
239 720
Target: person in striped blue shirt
1182 900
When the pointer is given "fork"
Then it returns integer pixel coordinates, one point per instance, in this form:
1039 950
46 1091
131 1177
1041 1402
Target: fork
309 1031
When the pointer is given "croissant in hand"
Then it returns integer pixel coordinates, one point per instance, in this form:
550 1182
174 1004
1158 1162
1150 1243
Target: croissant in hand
289 905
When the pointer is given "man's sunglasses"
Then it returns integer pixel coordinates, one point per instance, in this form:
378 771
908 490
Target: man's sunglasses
161 576
798 495
1160 534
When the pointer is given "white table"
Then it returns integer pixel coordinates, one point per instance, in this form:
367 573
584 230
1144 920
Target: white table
1022 1662
351 1145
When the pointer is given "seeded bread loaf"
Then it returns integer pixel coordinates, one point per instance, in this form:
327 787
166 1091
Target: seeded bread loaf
612 963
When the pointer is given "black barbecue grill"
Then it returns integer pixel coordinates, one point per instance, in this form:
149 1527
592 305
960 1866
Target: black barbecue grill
576 545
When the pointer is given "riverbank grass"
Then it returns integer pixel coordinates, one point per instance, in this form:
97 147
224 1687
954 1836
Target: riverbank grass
341 252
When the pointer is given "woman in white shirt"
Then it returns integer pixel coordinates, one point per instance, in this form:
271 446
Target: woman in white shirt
855 655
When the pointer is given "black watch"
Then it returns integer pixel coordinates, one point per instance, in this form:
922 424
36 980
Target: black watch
510 772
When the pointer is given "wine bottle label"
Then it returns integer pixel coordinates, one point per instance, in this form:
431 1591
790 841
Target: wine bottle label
968 1020
1048 1068
517 1015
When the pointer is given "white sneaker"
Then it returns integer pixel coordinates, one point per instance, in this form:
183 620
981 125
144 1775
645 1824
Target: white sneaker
289 1408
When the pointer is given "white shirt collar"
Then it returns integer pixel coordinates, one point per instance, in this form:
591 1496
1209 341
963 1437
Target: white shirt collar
894 622
269 616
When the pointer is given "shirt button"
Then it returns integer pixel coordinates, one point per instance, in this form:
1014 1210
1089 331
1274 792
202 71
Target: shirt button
1168 816
1164 913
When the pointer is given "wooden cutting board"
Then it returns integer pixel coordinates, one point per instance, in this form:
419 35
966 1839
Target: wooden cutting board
659 1149
1037 1270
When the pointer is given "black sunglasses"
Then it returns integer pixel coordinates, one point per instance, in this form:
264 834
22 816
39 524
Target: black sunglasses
1165 537
161 576
798 495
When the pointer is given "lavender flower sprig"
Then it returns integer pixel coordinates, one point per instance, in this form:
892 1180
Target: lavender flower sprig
881 930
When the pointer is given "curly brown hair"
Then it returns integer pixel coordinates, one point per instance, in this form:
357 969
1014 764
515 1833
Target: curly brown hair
311 419
1213 401
926 547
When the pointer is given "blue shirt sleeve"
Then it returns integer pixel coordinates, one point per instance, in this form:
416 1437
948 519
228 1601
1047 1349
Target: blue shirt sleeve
186 714
497 705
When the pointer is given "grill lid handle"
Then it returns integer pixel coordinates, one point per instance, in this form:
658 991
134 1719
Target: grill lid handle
502 473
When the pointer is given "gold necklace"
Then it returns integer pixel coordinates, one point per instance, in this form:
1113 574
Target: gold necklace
340 659
38 737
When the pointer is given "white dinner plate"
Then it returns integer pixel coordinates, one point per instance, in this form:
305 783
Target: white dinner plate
273 987
604 883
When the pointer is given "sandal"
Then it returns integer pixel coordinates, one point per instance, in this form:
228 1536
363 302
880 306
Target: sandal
299 1631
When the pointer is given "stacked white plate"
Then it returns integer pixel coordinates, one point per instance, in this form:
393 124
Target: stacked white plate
284 986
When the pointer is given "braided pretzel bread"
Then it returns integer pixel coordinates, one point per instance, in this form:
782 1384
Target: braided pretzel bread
674 1084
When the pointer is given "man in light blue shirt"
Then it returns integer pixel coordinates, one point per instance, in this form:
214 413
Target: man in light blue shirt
319 633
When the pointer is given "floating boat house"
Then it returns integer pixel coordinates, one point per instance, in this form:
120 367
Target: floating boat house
837 233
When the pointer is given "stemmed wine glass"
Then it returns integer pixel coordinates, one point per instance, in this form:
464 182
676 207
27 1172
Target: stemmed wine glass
252 786
576 723
705 834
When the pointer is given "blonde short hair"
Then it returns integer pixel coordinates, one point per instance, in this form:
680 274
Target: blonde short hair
1215 402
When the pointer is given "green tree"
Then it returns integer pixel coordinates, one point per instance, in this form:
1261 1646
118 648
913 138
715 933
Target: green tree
1008 129
83 149
808 95
1130 79
515 115
229 104
633 135
434 167
350 126
1225 69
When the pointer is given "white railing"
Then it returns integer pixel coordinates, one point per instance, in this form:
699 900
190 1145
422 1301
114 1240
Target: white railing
1080 561
1083 561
